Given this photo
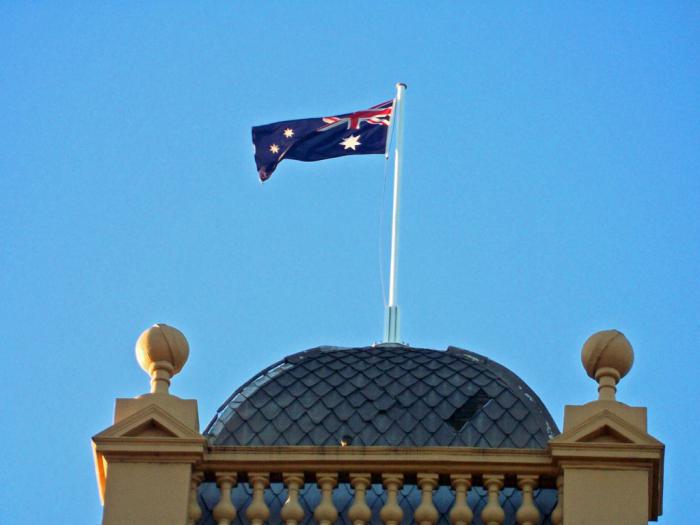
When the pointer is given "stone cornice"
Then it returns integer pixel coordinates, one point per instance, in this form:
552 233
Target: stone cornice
441 460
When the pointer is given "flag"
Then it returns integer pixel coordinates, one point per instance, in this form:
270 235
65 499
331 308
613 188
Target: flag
359 133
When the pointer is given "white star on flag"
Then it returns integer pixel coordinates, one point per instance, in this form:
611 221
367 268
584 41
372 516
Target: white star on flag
351 142
289 133
274 148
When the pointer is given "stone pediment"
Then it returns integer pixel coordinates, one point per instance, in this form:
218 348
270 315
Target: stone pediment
605 427
151 433
152 421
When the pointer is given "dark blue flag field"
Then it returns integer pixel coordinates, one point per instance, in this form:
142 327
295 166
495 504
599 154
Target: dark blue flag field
359 133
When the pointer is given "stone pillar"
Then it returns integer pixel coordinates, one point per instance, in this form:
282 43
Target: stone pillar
144 461
612 468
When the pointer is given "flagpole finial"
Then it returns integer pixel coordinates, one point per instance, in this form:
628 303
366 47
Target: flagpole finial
402 84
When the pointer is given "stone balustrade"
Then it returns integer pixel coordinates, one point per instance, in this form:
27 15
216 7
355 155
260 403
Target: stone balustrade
298 485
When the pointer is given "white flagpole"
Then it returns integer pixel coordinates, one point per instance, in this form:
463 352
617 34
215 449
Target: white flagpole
391 324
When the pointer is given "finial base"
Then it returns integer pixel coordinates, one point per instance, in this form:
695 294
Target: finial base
391 325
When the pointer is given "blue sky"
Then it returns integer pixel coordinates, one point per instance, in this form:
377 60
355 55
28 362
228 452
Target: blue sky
551 190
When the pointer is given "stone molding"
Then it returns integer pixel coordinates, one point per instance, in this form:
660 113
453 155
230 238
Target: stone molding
606 441
149 435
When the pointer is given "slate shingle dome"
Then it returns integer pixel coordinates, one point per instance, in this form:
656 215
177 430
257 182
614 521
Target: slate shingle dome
386 395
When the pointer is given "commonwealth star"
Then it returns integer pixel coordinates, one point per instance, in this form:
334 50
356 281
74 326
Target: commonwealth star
351 142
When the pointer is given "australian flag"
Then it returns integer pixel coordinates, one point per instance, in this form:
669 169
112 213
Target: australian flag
358 133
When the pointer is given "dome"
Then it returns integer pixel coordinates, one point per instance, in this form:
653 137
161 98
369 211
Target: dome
385 395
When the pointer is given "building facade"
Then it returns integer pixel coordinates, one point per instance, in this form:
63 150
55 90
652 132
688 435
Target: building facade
385 434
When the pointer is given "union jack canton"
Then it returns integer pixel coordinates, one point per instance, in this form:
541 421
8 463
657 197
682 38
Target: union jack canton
359 133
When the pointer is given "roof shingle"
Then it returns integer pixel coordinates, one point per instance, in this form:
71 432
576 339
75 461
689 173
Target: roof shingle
384 395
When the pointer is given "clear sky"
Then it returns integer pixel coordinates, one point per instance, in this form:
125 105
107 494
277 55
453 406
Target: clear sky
551 189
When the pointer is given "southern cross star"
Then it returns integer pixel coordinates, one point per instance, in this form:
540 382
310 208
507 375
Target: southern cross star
274 148
288 133
351 142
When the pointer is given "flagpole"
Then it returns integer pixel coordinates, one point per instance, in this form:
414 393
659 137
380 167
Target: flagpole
391 324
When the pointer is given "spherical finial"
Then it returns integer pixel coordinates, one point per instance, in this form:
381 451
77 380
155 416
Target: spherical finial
607 356
609 348
162 351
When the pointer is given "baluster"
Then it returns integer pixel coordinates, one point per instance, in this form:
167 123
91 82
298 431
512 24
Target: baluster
528 513
558 512
224 511
493 513
461 514
326 513
292 512
391 513
359 512
194 512
257 512
426 513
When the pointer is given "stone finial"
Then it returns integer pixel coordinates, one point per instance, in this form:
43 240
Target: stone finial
162 352
607 356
